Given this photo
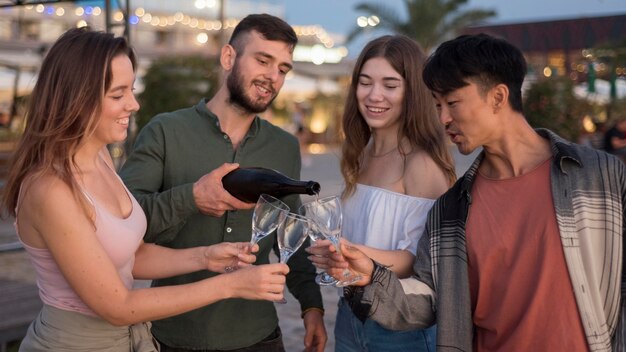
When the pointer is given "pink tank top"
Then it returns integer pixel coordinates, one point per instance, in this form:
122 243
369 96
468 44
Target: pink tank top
120 239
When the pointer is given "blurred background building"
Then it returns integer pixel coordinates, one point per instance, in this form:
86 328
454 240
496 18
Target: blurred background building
587 55
583 49
161 29
575 86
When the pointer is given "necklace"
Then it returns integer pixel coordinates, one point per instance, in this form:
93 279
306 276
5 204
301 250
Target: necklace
384 154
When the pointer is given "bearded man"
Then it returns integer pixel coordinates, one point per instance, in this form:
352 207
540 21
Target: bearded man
175 171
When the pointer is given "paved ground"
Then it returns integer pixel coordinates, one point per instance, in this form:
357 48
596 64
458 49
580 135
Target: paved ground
323 168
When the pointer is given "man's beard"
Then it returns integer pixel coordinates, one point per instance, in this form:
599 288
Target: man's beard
238 96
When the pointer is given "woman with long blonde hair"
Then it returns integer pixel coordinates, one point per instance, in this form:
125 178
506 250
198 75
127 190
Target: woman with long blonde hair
81 227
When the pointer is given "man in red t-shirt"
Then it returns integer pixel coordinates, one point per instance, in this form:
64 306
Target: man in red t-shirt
525 251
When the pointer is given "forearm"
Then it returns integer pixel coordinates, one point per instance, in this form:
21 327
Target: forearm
395 304
157 262
160 302
398 261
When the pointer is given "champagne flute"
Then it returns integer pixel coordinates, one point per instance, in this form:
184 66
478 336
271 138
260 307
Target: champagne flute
317 234
269 212
326 214
290 235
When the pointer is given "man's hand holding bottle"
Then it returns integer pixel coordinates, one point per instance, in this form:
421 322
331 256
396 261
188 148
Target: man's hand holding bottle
210 196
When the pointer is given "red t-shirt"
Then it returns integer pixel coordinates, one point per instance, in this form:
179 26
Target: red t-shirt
522 296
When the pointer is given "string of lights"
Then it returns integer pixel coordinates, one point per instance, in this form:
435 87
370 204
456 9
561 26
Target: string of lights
141 16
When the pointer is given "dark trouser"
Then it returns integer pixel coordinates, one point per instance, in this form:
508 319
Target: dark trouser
272 343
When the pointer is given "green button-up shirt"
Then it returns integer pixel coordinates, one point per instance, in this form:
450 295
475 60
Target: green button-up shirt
171 153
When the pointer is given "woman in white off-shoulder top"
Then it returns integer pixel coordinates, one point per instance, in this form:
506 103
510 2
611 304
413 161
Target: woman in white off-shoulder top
395 163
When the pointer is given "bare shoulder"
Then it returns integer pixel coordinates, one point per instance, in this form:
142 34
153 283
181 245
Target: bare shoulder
423 177
45 200
47 195
42 187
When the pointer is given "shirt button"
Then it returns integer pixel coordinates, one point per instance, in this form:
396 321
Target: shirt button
229 230
226 137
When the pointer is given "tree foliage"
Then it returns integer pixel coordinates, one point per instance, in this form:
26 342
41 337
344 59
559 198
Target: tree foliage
172 83
429 22
551 104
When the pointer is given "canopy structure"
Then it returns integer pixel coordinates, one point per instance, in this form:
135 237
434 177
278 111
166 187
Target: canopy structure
107 10
20 60
9 3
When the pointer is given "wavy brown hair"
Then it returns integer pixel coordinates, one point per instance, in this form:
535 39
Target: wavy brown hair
419 121
63 108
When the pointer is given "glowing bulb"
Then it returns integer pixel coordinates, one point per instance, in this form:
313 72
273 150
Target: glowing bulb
547 71
361 21
202 38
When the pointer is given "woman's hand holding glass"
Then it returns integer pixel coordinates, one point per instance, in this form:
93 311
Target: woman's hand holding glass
316 235
228 256
350 259
257 282
268 214
326 214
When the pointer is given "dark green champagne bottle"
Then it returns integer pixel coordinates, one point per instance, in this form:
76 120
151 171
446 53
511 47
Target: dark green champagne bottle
248 183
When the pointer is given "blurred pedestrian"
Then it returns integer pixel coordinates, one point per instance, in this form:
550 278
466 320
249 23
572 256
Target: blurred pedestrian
175 171
395 163
615 139
81 227
593 139
302 133
525 251
5 121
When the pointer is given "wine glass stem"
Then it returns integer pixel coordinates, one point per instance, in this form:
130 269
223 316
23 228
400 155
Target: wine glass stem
255 237
335 241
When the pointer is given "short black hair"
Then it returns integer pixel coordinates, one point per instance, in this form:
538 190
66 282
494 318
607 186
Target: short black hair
268 26
483 59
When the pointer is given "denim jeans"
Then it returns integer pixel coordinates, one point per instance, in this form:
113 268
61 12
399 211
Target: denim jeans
272 343
351 335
